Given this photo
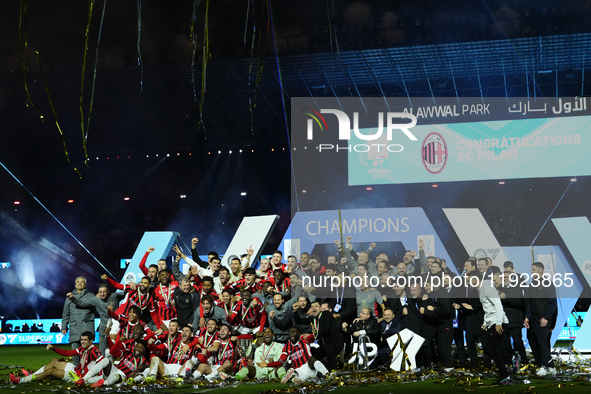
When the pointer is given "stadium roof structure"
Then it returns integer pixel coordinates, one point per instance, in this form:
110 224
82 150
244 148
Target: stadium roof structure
168 107
536 51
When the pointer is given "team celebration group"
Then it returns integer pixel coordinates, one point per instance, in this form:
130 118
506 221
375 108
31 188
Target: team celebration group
277 323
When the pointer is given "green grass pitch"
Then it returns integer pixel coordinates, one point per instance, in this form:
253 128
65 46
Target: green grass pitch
33 357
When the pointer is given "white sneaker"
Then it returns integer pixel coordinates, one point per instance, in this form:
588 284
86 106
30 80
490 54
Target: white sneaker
552 371
542 371
447 369
288 375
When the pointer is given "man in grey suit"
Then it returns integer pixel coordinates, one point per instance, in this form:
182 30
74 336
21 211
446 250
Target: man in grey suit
100 304
78 318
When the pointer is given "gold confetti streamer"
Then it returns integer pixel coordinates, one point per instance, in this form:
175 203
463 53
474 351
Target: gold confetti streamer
24 47
138 45
55 114
98 42
193 38
86 36
206 56
262 51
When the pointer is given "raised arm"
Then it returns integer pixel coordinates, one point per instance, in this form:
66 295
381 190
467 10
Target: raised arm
113 314
370 262
176 268
351 263
200 271
249 253
83 303
195 255
422 258
144 259
66 353
188 260
114 284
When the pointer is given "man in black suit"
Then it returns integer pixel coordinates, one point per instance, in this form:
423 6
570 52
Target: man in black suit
390 325
456 293
438 315
366 327
540 312
326 328
514 307
344 303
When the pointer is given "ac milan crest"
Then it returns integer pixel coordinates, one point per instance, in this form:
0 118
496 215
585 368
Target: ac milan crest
434 153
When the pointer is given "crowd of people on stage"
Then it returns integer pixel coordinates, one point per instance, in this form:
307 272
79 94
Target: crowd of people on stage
301 320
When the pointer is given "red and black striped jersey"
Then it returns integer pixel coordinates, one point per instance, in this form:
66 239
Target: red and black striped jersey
265 276
126 328
208 339
212 293
227 352
241 284
144 301
198 286
171 343
281 288
129 363
250 316
128 344
134 297
86 357
298 354
175 353
163 296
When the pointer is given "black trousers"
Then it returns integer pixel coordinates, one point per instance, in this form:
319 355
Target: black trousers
428 349
473 331
459 340
540 343
491 344
329 350
348 340
514 332
445 336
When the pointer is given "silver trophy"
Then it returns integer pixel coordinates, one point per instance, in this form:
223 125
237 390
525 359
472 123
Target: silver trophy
245 347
